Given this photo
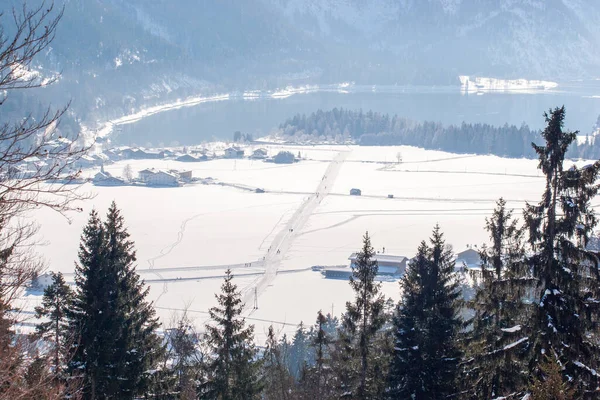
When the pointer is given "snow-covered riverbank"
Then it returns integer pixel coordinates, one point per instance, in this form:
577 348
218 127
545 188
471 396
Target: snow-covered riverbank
472 84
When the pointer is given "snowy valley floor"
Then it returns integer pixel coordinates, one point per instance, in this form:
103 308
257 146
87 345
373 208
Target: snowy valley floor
187 236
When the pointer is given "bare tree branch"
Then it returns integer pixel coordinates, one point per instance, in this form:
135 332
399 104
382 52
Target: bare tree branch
37 169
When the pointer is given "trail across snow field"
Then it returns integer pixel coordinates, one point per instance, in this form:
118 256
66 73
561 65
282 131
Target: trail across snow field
284 239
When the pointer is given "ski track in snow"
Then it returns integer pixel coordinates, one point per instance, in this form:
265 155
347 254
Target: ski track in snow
169 248
284 239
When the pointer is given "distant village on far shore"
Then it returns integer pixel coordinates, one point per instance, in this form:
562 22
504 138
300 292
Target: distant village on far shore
146 177
170 177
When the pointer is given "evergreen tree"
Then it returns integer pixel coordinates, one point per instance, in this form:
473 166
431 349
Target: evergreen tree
493 367
551 384
317 381
364 318
278 381
233 372
426 326
118 341
565 323
321 343
55 308
298 352
88 315
138 345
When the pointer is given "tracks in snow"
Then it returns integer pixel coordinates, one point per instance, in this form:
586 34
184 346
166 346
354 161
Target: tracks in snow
284 239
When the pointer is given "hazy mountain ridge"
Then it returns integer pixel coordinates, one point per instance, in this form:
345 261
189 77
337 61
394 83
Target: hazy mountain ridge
121 55
533 39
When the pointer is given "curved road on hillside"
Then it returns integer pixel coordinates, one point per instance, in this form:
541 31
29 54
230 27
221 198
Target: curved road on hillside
284 239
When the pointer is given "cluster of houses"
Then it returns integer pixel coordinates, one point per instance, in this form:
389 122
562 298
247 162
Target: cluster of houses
42 161
193 155
147 177
394 266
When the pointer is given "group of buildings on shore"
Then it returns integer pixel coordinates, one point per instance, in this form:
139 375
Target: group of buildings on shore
185 155
147 177
43 160
159 177
394 266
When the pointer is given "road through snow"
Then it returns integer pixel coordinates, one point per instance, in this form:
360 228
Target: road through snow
284 239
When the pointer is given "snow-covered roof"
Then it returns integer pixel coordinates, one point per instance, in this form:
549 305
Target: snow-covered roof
101 175
101 156
186 157
166 173
87 158
388 258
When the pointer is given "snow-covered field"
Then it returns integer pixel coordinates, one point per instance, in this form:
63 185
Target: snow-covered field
186 236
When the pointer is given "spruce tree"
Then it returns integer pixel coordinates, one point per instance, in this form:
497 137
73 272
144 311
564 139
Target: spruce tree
56 302
321 344
493 368
88 316
364 318
233 371
426 326
317 382
565 322
117 343
138 345
298 352
278 381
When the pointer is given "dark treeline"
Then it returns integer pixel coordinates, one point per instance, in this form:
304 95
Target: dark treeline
529 331
377 129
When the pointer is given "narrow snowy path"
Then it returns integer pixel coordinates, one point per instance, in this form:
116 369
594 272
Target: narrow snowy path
284 239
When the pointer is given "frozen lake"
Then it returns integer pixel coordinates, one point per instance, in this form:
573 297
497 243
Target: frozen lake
186 236
213 120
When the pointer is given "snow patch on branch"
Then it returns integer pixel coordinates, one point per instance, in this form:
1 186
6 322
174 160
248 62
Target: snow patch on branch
515 328
518 342
583 366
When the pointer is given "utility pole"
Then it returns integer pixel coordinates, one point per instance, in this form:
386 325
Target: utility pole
255 298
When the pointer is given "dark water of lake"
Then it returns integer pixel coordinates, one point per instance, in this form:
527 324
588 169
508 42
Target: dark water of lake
218 120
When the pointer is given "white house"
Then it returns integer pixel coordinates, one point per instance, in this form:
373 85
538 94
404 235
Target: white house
85 161
42 281
187 158
259 154
387 264
183 175
102 158
110 181
469 258
100 176
234 152
162 178
145 174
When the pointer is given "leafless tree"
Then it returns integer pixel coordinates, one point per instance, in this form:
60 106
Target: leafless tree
128 173
38 168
